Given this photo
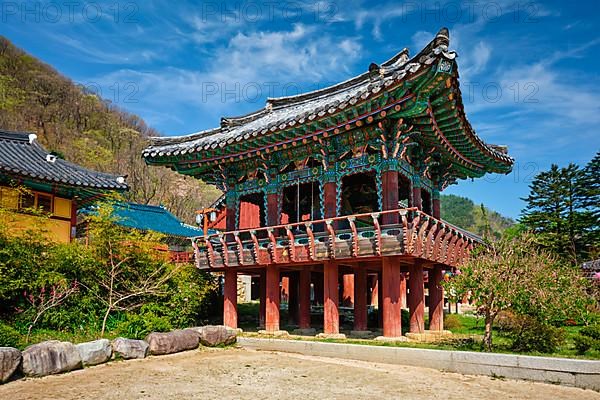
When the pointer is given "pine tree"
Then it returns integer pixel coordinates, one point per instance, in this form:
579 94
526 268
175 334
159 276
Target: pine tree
554 211
590 203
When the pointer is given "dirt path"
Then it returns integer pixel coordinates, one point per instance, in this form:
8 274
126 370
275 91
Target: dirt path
244 374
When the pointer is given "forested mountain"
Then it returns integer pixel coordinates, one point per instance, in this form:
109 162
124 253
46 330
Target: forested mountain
464 213
90 131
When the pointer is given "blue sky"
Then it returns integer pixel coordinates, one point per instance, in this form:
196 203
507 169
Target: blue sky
529 70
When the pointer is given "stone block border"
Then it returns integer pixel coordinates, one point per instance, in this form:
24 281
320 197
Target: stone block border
584 374
54 357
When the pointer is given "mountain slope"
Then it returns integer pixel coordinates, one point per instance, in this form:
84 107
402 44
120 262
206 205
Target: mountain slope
88 130
463 212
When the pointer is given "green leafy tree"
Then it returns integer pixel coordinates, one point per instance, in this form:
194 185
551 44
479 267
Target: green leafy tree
512 273
130 272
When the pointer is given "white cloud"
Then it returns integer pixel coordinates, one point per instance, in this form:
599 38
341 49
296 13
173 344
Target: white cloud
242 73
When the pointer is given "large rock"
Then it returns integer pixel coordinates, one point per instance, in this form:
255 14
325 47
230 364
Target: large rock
172 342
94 353
130 348
10 359
51 357
215 335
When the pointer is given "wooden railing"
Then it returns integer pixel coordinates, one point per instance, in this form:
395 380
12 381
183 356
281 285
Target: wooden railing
356 236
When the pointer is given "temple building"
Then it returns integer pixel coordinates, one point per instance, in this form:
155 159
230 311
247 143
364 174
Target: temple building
176 235
34 181
342 185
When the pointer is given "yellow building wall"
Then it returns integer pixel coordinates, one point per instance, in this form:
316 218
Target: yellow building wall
57 230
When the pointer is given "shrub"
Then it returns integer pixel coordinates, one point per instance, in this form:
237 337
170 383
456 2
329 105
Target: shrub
9 337
529 334
588 338
506 321
461 342
138 326
452 321
592 331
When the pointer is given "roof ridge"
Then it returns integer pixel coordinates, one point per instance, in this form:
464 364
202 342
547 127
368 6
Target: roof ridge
19 136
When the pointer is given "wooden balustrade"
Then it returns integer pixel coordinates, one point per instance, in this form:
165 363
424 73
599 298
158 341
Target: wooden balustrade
418 235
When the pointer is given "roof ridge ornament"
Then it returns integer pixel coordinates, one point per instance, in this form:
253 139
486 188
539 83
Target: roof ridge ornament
32 138
442 38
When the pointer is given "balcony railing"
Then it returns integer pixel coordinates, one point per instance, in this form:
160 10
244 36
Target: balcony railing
352 237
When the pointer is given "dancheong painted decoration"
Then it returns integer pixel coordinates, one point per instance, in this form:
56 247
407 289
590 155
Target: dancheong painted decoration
336 192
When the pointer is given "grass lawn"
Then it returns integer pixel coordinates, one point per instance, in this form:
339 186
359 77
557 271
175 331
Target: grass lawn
467 330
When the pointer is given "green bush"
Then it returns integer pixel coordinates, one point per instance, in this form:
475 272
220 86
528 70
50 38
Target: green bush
452 321
9 337
506 321
588 339
531 335
461 342
138 326
592 331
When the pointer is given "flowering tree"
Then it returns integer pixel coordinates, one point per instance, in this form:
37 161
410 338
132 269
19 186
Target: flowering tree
47 297
512 273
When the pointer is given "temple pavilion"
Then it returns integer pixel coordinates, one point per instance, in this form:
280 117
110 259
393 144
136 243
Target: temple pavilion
342 182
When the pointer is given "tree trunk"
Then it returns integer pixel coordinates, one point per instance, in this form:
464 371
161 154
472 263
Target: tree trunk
108 309
487 337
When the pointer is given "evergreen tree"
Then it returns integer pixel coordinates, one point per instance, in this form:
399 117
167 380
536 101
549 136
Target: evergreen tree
590 202
556 211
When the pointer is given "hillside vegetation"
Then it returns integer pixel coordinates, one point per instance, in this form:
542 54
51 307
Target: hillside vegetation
85 129
478 219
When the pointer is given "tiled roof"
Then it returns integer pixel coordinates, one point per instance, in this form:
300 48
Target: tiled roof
22 157
285 112
151 218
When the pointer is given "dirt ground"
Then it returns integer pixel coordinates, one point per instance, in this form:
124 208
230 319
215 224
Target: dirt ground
244 374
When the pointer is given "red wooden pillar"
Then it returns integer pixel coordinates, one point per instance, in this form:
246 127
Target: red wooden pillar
272 296
331 316
348 290
285 289
374 290
230 298
230 317
304 296
293 303
416 195
360 298
416 301
403 290
436 206
272 209
436 299
389 186
390 271
380 300
263 299
329 199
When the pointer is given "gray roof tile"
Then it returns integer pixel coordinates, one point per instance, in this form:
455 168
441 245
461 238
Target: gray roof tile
22 157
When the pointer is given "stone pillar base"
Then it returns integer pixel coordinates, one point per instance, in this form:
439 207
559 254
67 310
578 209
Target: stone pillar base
391 339
331 336
428 336
274 333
